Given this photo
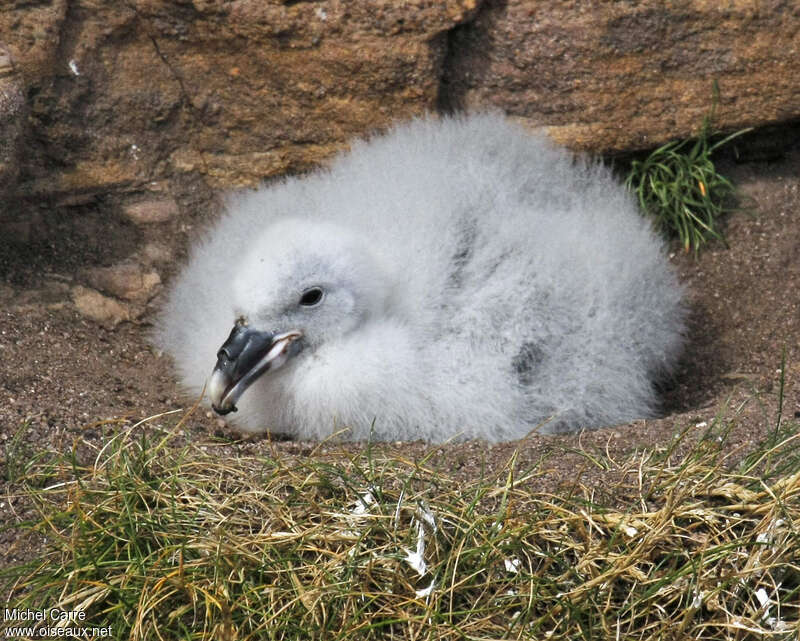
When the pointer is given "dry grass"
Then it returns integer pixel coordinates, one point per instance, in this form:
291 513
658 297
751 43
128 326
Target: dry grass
162 541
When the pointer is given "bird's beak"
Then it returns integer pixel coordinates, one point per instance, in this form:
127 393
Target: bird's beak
245 356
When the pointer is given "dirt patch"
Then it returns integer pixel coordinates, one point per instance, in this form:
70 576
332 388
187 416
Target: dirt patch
61 376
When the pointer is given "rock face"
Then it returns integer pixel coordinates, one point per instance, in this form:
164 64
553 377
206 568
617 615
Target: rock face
235 90
141 109
620 75
12 111
238 90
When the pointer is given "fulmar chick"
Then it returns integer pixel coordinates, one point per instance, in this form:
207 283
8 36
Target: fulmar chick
456 277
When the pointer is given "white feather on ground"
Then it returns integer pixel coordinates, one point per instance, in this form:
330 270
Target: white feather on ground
478 281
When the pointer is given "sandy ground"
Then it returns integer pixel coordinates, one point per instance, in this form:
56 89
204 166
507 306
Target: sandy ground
61 375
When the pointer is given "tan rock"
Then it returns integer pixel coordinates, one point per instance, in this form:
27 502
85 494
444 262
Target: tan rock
31 32
101 176
101 309
237 91
618 76
148 212
126 280
12 118
156 253
124 94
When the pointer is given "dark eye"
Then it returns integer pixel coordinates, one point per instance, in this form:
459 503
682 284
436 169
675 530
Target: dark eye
312 296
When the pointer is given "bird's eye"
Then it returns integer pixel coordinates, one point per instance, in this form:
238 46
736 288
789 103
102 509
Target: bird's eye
312 296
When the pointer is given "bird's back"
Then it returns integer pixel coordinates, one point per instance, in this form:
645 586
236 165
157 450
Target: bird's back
530 269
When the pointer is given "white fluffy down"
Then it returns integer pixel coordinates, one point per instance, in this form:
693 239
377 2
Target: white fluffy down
479 281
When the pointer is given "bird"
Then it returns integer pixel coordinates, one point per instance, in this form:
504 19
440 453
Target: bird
455 277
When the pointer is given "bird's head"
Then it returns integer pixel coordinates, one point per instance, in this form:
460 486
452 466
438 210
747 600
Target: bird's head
307 285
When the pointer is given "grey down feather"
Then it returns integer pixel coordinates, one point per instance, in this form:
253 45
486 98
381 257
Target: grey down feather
456 277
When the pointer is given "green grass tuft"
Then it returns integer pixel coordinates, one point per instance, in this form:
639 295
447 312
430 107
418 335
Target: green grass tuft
679 186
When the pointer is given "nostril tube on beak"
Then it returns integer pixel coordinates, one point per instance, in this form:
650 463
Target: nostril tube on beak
239 338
